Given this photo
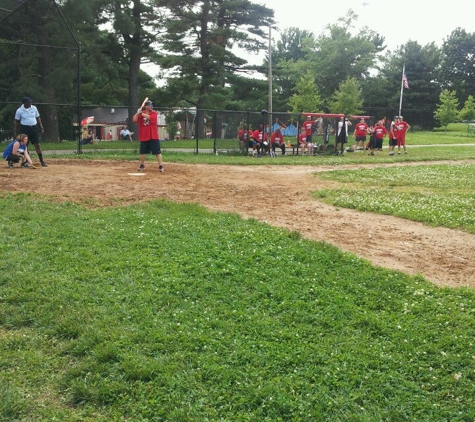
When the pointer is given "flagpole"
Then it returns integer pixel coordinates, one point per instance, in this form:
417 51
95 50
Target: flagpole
402 89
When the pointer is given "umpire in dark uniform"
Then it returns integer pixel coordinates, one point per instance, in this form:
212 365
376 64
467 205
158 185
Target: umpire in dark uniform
27 121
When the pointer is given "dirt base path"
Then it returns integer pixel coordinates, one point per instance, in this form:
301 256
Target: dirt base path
283 199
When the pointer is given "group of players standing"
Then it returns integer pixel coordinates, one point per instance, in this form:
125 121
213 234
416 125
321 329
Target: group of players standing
397 136
258 139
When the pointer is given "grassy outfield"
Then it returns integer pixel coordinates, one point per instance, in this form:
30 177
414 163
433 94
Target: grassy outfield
427 153
438 195
166 312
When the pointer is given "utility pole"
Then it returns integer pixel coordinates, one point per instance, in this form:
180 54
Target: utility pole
269 106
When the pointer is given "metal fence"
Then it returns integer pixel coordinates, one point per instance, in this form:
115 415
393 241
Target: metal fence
205 131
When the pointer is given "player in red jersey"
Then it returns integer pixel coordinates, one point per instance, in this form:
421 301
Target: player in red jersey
402 128
277 141
147 118
307 128
360 132
260 141
245 137
379 133
303 143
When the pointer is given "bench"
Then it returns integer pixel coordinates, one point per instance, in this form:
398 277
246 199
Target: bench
319 149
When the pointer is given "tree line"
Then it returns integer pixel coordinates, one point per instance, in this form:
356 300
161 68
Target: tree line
194 47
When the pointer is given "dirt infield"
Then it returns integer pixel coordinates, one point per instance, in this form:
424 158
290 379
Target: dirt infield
282 199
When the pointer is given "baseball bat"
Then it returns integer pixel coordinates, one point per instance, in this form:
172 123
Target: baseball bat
143 102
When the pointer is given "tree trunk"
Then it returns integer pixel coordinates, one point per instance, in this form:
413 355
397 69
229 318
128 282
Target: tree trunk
135 51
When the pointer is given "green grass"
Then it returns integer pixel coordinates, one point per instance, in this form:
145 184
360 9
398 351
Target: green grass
421 154
438 195
166 312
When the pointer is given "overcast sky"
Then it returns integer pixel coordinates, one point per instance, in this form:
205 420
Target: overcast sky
397 21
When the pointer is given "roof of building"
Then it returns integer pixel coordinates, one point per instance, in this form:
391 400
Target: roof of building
107 115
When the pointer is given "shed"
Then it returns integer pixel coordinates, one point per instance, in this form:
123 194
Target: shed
106 120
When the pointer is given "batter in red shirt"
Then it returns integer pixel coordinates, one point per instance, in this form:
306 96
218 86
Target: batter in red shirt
147 118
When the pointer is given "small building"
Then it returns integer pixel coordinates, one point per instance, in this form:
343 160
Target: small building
107 123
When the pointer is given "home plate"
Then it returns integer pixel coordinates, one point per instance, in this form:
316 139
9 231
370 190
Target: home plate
136 174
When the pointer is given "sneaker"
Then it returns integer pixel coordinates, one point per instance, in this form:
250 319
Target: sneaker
24 165
391 153
10 164
43 164
160 168
399 153
405 152
141 168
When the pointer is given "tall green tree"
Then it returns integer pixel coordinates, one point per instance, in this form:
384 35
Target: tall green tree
339 55
104 68
447 109
421 64
111 40
292 45
45 66
307 97
133 26
247 93
289 63
199 45
348 98
458 63
468 110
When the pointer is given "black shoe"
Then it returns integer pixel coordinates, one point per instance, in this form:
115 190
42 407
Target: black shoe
25 165
43 164
160 168
10 164
141 168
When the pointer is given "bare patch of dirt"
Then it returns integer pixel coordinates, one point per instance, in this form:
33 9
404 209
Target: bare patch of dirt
282 199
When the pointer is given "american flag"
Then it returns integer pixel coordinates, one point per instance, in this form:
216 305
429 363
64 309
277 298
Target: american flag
404 80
